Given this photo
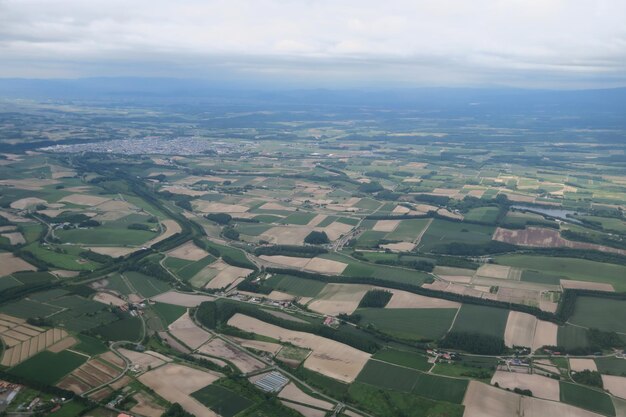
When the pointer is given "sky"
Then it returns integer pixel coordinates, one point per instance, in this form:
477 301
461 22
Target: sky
324 43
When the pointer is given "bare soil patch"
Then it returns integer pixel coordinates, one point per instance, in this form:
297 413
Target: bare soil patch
399 246
545 334
404 299
188 251
335 230
182 299
386 225
66 343
328 357
146 406
143 360
316 220
541 386
586 285
84 199
228 276
268 347
520 329
616 385
293 393
10 264
304 410
494 271
109 299
582 364
276 206
185 330
112 251
326 266
176 382
213 207
15 238
546 238
339 298
24 203
217 347
290 261
286 235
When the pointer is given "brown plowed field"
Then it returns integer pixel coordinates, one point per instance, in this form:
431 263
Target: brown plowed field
546 238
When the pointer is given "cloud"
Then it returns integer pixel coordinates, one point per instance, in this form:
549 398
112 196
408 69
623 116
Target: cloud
561 43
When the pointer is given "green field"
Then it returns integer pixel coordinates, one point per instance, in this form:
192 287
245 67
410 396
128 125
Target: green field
408 230
397 378
587 398
403 358
541 277
26 308
571 337
440 388
115 282
600 313
358 268
103 235
409 323
370 239
299 218
387 376
89 345
392 403
67 257
223 401
169 312
191 270
56 366
294 285
125 329
442 232
577 269
611 366
480 319
483 214
145 285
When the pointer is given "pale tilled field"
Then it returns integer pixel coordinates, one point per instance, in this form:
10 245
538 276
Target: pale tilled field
330 358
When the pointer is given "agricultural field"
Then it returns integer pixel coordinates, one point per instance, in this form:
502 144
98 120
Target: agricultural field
409 324
370 258
472 319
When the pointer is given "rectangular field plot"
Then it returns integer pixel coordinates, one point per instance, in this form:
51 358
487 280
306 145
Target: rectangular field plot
408 230
409 323
442 232
56 366
387 376
26 308
145 285
483 214
601 313
480 319
611 366
587 398
572 337
572 268
294 285
221 400
403 358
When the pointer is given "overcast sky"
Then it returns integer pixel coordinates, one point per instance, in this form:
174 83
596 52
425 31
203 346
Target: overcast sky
529 43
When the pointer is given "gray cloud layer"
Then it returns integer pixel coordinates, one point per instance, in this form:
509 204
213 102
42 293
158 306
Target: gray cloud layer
545 43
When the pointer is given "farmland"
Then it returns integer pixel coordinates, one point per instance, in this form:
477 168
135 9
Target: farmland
371 258
410 324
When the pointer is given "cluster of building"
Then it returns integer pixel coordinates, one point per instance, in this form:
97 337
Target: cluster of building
155 145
